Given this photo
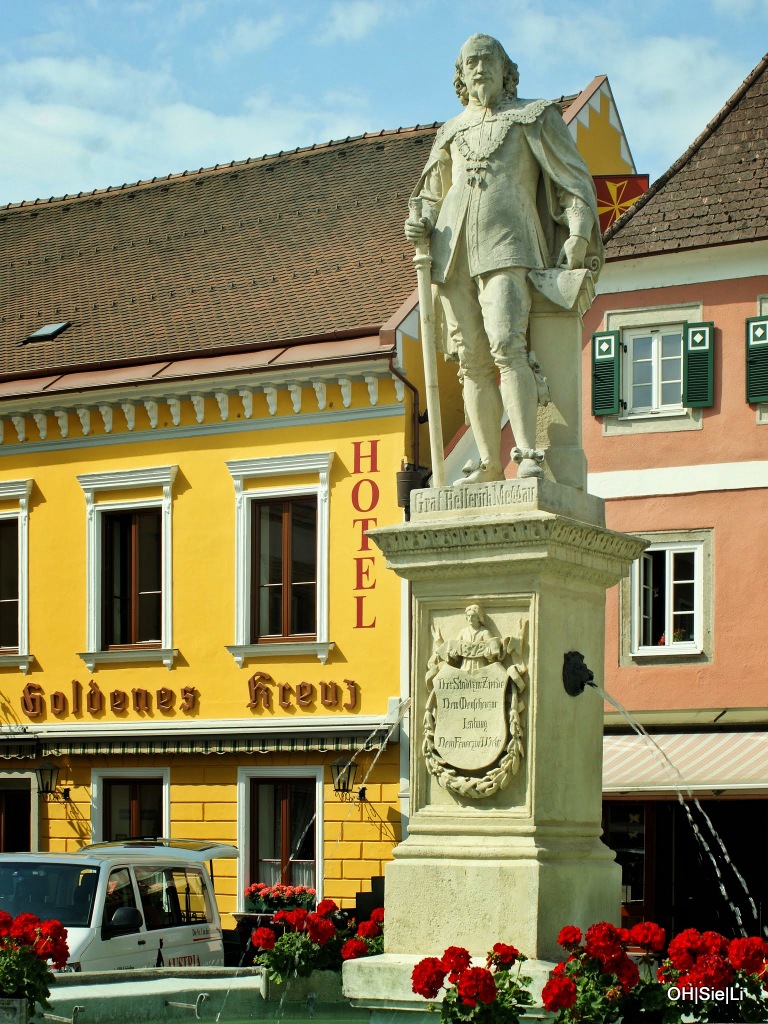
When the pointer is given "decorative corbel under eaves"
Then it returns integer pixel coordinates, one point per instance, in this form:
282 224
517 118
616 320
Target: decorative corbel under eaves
19 424
373 389
295 392
270 393
346 391
106 417
62 418
151 406
222 400
41 422
129 411
320 390
246 396
84 415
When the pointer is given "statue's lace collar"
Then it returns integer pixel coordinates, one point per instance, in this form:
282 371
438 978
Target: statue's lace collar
508 111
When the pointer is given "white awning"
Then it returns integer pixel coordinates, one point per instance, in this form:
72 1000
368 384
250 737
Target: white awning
687 761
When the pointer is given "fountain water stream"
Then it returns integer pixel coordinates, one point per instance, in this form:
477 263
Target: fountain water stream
685 794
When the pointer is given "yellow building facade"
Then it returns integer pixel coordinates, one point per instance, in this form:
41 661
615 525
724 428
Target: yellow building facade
208 383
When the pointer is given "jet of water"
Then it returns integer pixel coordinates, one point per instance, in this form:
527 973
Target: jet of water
681 788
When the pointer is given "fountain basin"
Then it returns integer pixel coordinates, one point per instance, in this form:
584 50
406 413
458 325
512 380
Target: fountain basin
233 996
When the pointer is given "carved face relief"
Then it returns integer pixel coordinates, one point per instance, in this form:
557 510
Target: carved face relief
483 73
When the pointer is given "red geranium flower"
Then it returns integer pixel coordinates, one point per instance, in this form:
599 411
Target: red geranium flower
748 955
320 929
626 971
427 977
377 915
476 984
455 960
569 937
603 941
648 935
264 938
684 948
353 949
503 955
326 907
559 993
710 971
714 942
294 919
369 930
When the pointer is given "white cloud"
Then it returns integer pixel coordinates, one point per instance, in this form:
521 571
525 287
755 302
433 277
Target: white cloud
248 35
667 86
83 138
351 20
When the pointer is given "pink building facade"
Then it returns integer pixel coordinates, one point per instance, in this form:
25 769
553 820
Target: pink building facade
676 380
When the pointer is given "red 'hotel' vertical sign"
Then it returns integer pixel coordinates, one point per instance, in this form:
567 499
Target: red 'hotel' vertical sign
365 498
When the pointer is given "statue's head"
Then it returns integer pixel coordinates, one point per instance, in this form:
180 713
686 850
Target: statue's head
482 43
474 611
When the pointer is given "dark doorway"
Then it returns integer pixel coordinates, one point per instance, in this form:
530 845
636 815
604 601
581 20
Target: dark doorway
16 817
668 875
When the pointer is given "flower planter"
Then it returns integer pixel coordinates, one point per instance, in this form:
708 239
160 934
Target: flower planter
13 1011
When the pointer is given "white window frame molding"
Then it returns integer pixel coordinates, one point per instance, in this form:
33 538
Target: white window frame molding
243 471
663 420
679 649
126 480
244 777
98 777
20 491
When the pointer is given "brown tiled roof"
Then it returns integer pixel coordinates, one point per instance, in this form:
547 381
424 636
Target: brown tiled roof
265 252
716 193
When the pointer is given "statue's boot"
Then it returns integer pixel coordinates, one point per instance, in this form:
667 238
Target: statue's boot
519 394
483 405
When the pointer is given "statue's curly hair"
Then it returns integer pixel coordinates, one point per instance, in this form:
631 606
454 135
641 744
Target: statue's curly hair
511 74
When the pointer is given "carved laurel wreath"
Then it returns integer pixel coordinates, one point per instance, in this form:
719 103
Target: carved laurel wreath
497 778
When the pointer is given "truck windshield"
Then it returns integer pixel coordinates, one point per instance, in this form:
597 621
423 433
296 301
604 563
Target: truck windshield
48 889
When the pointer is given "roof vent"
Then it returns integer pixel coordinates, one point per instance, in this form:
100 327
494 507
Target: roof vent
47 333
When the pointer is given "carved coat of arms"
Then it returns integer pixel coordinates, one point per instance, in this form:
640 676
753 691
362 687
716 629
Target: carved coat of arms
473 731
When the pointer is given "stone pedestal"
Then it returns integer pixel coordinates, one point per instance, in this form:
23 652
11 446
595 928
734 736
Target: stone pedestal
556 336
518 864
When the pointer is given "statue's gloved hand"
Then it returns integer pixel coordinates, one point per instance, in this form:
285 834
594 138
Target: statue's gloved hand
573 253
418 230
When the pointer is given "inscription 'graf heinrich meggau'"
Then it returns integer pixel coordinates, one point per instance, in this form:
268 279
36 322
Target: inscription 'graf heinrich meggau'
490 495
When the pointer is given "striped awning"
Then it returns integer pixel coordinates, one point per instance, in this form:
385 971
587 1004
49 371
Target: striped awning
685 761
249 744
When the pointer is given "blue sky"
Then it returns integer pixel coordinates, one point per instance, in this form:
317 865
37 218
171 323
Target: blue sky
99 92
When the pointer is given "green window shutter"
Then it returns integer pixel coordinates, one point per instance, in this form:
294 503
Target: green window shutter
606 359
757 359
698 365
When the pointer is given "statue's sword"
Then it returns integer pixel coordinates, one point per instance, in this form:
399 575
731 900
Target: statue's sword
423 262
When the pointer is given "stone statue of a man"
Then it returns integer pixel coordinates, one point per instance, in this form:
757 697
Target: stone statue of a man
504 191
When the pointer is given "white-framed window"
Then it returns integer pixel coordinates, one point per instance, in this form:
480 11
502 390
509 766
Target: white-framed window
14 575
128 567
667 599
280 826
281 556
653 370
650 369
136 801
